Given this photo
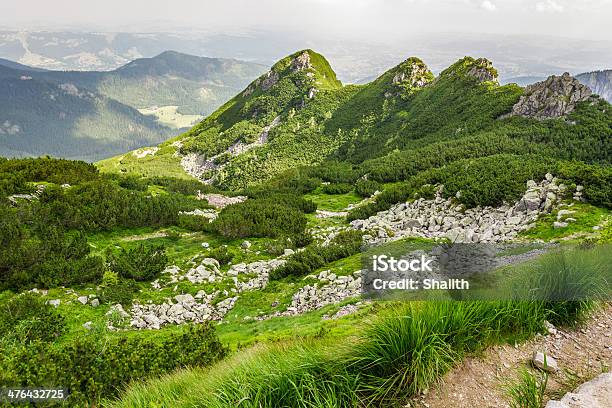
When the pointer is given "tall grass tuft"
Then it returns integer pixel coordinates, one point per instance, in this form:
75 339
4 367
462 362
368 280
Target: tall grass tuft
568 283
528 390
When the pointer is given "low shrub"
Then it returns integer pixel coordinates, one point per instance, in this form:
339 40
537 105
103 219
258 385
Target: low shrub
142 263
337 188
221 254
121 292
259 218
27 318
365 188
345 244
194 222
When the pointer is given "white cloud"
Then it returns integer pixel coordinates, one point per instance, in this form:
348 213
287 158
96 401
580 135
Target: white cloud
549 5
487 5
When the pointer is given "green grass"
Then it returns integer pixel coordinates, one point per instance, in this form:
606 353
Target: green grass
332 202
527 391
399 355
404 351
587 216
164 164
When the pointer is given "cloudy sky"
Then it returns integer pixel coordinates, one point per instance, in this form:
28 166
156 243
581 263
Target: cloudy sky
376 20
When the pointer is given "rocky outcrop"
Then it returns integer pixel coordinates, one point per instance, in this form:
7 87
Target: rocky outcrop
553 98
483 70
442 218
269 80
596 393
600 82
301 62
414 73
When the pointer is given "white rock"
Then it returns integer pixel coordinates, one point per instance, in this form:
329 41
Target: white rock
54 302
538 361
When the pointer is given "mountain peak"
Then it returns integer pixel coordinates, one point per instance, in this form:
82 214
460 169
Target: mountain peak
305 67
480 69
314 64
410 75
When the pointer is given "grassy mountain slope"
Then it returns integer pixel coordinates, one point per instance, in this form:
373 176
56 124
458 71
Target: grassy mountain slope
313 153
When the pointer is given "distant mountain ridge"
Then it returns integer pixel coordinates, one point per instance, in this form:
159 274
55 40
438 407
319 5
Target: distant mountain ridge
92 115
600 82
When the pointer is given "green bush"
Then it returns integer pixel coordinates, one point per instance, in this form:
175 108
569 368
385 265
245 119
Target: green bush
259 218
142 263
337 188
301 263
221 254
365 188
93 368
27 318
122 292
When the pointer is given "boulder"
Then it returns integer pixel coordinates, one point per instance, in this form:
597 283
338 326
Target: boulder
544 362
596 393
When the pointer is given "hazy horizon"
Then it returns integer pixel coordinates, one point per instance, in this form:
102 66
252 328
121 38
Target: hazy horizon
371 20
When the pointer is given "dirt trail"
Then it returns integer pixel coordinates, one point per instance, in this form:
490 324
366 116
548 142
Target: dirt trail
477 382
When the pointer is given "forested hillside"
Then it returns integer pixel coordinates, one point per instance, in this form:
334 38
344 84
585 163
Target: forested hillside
40 117
92 115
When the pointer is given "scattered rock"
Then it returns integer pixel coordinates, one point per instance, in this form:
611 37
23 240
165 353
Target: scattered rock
87 325
207 213
54 302
83 299
245 245
95 302
221 201
442 218
549 365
